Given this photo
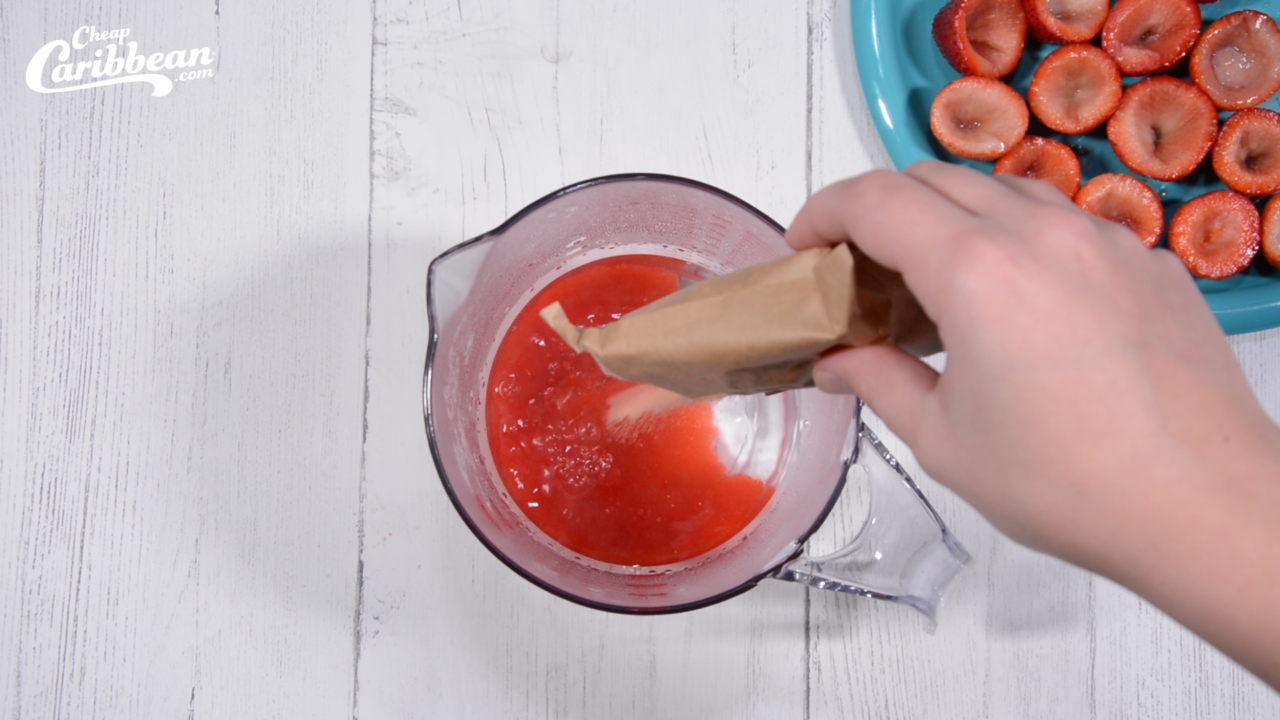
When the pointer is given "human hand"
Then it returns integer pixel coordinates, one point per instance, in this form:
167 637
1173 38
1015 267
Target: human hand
1090 406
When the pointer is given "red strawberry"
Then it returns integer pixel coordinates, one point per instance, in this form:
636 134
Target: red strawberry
1147 36
1247 154
1216 234
1075 88
978 118
1041 158
1237 60
1126 200
1163 128
1057 22
981 37
1271 231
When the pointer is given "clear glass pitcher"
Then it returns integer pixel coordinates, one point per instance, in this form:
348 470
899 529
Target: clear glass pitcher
805 444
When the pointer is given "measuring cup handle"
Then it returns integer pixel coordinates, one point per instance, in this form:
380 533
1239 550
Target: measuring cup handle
903 553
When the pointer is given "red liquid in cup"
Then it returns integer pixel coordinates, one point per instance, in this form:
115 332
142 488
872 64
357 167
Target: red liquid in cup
648 492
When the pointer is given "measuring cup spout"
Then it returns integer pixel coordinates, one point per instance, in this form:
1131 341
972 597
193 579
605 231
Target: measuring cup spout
904 553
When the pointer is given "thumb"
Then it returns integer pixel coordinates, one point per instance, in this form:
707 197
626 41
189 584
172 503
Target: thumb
893 382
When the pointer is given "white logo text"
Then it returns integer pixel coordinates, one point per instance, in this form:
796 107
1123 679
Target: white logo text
115 61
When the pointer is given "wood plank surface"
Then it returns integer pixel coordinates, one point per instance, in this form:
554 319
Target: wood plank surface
1022 634
480 108
216 495
183 362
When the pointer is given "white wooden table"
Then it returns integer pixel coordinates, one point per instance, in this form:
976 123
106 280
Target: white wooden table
216 497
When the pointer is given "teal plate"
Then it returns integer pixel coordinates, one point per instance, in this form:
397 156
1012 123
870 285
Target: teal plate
901 71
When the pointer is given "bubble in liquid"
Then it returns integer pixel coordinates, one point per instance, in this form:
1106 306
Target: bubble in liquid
588 432
506 387
581 468
559 396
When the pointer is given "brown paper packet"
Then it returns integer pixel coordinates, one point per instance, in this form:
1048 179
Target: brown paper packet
759 329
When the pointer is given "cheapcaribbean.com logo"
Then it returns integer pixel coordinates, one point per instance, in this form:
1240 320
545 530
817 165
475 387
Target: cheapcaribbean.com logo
106 59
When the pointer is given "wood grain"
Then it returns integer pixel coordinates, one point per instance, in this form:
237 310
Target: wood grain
183 354
216 498
479 109
1022 634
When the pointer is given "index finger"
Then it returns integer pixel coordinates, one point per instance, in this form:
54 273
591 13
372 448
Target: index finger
897 220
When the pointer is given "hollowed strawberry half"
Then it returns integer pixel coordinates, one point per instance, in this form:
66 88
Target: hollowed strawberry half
1271 231
978 118
1237 60
1147 36
1247 153
1163 128
1044 159
981 37
1065 21
1216 234
1126 200
1075 89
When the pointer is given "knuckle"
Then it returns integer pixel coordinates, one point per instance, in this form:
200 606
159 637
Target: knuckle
981 256
871 185
1072 223
1075 237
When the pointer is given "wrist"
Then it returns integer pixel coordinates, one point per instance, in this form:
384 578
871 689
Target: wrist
1200 542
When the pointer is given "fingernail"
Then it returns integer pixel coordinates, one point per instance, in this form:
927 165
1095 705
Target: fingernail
830 382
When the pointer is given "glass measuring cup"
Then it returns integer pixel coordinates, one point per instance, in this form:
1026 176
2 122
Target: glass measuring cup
805 444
